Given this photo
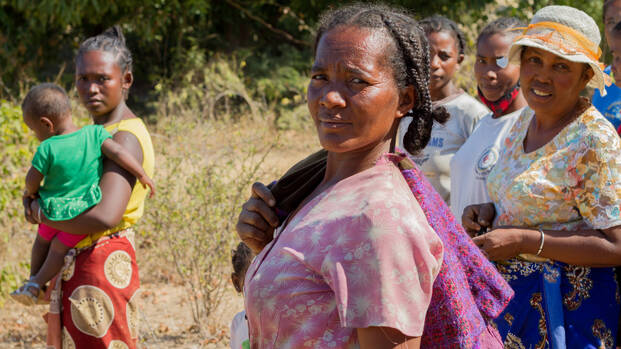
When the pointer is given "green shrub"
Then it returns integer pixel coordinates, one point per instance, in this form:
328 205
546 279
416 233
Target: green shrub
17 144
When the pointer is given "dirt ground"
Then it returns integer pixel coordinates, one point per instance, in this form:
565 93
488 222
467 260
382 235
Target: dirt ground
165 321
165 312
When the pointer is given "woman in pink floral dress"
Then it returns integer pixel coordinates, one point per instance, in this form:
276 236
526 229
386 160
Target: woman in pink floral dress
355 263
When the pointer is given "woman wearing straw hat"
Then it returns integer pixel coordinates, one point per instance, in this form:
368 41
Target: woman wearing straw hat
555 217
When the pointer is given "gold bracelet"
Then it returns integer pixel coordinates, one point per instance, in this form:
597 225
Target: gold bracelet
543 236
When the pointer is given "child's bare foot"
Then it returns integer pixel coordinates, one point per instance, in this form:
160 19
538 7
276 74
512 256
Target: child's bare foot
29 293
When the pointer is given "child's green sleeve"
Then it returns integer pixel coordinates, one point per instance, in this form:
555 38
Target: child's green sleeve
40 161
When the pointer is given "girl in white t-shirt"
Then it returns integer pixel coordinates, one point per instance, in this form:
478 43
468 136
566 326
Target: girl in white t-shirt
447 47
242 256
499 89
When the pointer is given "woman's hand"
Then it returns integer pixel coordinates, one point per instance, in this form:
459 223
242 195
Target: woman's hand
257 220
501 244
478 217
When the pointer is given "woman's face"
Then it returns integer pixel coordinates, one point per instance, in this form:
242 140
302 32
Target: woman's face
444 58
100 82
551 84
352 95
494 81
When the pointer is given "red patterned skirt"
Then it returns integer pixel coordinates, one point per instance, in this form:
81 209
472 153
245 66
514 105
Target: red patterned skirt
98 296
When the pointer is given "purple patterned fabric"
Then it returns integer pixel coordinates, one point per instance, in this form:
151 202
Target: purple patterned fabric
468 290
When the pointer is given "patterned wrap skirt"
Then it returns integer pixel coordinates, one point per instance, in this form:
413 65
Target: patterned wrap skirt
559 306
94 305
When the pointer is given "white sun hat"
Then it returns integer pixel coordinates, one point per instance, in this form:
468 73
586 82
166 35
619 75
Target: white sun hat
566 32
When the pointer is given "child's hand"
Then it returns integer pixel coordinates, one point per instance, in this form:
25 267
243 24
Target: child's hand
147 182
26 201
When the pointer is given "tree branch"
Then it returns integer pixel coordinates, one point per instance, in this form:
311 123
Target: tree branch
267 25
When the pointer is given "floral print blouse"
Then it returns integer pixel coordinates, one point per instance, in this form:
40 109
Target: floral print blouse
359 254
570 183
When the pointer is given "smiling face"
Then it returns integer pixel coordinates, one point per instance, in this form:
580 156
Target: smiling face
494 81
353 96
551 84
444 59
100 82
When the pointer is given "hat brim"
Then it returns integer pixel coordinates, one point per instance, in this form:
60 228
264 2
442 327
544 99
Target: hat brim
598 80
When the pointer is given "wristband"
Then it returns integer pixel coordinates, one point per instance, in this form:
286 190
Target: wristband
543 236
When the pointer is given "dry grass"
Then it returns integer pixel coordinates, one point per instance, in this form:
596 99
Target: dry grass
166 314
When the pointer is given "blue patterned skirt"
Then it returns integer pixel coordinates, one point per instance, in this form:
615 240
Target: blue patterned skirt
559 306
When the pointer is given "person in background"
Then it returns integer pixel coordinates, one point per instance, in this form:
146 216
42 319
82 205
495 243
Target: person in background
101 273
446 50
555 194
241 259
499 89
609 102
64 178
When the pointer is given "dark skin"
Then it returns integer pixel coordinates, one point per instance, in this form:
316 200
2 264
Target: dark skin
444 62
356 105
101 87
552 87
492 80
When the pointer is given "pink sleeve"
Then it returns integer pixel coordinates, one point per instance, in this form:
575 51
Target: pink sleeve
383 264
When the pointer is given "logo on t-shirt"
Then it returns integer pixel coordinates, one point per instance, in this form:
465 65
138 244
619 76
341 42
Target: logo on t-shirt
436 142
613 113
486 162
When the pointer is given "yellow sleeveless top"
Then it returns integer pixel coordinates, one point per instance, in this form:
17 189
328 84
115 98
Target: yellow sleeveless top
135 206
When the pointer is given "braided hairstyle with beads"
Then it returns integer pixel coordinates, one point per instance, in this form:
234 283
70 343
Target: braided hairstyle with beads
409 60
112 41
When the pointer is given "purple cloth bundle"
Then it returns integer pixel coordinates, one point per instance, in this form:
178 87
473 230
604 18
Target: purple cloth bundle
468 291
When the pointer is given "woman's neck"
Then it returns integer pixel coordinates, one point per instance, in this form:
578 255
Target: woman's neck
544 127
546 122
121 112
342 165
447 90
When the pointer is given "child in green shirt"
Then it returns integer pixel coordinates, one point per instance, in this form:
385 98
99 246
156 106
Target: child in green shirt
69 161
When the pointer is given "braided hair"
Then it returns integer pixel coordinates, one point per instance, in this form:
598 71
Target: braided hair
502 26
111 41
408 58
438 23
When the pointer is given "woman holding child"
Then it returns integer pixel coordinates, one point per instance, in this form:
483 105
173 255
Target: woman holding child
100 278
556 194
357 256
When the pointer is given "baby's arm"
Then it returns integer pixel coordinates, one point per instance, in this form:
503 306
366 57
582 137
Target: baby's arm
115 152
33 182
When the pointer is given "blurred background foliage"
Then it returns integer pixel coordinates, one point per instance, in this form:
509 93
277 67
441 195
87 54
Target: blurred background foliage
172 40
